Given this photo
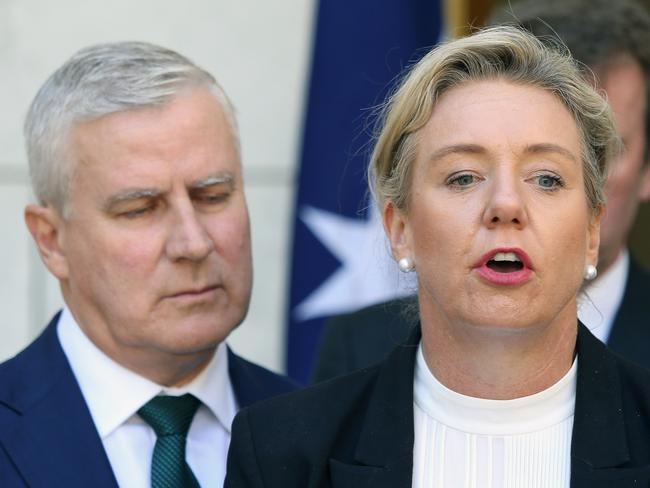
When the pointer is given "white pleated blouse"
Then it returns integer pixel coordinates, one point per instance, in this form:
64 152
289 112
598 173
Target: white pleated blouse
467 442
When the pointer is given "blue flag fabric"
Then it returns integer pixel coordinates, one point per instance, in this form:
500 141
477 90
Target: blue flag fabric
360 47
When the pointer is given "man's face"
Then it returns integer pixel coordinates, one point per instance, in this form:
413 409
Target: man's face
157 244
628 182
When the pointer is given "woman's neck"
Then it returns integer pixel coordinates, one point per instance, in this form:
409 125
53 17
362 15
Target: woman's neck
497 363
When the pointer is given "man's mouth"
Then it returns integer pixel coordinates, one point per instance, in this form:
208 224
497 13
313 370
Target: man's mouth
194 292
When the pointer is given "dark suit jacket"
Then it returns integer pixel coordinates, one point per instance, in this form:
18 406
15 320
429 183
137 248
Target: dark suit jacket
47 436
356 431
359 339
630 335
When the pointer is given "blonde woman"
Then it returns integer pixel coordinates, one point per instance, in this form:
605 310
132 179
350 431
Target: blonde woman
488 169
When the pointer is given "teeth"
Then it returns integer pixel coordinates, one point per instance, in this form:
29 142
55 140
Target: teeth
506 256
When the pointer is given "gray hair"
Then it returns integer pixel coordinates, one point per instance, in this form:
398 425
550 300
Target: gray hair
505 53
100 80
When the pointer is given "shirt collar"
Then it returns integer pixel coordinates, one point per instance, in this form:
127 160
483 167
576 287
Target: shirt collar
114 393
599 304
482 416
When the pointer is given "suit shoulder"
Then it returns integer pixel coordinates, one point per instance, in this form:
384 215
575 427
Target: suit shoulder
36 366
281 382
291 438
392 309
326 402
253 383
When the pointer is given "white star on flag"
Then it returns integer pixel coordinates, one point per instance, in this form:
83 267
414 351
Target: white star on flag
367 274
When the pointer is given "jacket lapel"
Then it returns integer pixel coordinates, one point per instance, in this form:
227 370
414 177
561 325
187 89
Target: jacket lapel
46 428
385 448
600 445
252 383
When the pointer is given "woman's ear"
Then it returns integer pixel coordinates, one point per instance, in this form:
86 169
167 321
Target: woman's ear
397 229
46 227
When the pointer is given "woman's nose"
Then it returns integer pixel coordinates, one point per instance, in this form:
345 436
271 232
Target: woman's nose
505 204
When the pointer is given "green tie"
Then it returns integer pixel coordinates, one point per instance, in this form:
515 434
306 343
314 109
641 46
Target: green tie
170 417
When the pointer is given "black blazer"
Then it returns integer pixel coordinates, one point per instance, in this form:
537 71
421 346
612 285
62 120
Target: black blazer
47 435
362 338
357 430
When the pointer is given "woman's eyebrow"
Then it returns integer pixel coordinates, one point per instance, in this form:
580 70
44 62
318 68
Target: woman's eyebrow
457 149
544 147
548 147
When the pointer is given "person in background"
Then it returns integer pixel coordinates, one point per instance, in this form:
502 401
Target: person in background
141 216
613 40
489 169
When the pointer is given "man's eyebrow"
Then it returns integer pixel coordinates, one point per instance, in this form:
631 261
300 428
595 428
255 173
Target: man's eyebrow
130 194
548 147
212 180
457 149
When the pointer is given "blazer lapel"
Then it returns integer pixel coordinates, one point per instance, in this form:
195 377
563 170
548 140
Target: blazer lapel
600 444
47 430
244 383
252 383
385 448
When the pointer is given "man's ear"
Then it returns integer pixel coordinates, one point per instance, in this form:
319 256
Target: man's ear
46 227
398 231
644 190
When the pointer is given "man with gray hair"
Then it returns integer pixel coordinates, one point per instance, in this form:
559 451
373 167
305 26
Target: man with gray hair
141 216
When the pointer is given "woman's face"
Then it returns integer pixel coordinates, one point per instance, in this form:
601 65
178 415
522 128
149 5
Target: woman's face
498 224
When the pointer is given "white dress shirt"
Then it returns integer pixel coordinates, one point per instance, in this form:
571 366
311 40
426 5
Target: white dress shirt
598 305
468 442
114 394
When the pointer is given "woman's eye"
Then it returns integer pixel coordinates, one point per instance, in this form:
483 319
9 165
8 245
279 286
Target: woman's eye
549 182
462 180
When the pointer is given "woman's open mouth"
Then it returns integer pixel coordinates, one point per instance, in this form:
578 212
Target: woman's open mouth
505 267
505 262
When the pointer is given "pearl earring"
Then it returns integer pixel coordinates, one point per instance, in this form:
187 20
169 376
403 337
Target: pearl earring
590 272
406 265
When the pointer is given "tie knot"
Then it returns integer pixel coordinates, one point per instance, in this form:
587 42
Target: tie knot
170 415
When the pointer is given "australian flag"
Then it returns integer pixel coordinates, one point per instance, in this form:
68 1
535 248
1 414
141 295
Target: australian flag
340 259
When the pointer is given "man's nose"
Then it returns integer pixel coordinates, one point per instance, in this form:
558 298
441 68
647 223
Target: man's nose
188 238
505 204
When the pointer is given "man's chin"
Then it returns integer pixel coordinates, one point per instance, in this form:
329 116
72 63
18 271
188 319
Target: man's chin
196 338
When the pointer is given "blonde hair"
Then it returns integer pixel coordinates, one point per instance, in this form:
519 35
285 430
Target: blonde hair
504 52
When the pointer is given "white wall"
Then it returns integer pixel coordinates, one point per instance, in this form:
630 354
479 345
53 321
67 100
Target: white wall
259 51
